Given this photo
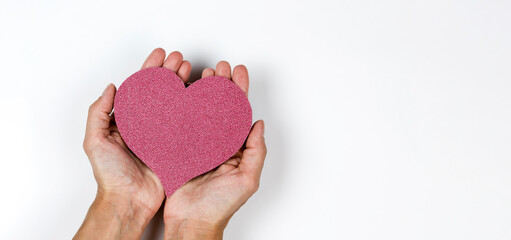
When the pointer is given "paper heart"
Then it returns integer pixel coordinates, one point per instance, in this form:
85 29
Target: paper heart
181 132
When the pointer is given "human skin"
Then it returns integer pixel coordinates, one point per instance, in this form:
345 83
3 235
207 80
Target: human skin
129 193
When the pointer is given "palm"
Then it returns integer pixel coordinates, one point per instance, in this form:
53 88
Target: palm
222 188
123 173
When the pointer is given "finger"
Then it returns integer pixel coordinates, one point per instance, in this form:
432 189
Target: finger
173 61
184 71
155 59
98 120
223 69
253 156
240 77
208 72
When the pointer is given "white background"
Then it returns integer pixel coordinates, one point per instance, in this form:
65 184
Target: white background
385 120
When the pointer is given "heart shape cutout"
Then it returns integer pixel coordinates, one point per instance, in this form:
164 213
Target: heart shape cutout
181 132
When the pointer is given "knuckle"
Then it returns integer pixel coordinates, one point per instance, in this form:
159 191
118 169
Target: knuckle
85 145
252 153
255 187
89 144
92 107
252 185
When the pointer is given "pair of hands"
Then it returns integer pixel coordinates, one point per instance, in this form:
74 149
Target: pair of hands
129 193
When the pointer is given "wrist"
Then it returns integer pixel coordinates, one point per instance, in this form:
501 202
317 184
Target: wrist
192 229
125 208
114 217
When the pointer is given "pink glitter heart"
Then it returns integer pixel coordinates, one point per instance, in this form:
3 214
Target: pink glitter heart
181 132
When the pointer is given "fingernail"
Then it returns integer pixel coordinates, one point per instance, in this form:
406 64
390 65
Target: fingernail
104 91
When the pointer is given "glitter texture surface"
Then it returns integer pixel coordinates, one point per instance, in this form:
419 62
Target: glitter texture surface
180 132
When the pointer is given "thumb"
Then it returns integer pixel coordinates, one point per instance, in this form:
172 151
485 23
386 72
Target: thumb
98 119
254 154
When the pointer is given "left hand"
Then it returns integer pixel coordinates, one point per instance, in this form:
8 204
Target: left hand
129 193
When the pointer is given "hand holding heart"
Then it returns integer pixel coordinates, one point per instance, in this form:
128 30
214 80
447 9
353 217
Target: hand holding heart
132 193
